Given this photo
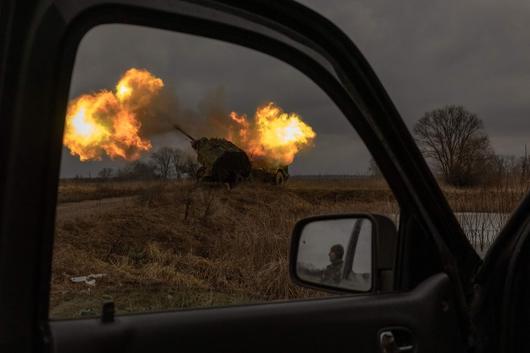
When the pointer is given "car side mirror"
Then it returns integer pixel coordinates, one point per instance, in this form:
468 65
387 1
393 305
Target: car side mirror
346 253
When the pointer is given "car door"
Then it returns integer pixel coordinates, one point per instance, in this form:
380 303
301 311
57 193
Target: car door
428 305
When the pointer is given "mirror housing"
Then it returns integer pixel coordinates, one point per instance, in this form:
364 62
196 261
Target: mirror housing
315 238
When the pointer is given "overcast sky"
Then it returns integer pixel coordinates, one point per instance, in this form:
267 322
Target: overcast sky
427 54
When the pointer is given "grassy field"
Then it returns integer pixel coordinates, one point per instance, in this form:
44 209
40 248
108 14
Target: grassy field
178 245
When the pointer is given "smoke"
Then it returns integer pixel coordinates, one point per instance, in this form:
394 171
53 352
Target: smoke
109 122
122 122
210 118
270 136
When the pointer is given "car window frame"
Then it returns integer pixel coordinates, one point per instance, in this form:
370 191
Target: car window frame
61 24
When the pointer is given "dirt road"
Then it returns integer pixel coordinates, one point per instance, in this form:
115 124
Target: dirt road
72 210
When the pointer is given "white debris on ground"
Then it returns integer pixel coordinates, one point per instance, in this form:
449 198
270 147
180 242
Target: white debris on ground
88 280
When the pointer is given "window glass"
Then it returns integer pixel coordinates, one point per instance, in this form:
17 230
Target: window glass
458 73
186 163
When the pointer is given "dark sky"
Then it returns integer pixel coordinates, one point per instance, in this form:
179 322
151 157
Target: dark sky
474 53
427 54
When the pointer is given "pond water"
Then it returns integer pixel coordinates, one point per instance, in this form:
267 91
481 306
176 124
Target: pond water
482 228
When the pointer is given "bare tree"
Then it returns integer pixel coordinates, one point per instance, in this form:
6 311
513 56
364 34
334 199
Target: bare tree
524 164
373 169
191 167
178 160
455 140
137 170
162 159
105 173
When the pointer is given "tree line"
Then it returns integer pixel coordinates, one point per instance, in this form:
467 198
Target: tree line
454 142
451 138
164 163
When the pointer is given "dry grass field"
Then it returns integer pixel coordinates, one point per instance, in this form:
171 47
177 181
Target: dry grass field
177 244
173 244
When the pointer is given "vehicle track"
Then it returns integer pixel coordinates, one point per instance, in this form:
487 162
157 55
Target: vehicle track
72 210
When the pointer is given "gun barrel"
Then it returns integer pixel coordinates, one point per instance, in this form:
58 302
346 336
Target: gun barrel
183 132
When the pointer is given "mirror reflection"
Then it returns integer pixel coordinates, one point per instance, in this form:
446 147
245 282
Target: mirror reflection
337 253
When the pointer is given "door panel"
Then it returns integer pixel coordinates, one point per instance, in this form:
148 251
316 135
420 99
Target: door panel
291 33
500 305
348 324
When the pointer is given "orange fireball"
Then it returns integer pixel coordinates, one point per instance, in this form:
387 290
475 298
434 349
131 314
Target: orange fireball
273 138
106 123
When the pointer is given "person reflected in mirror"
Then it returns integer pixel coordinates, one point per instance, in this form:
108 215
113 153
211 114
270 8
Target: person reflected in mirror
332 274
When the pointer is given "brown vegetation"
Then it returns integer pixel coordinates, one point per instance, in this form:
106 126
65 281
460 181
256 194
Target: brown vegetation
83 190
176 244
484 210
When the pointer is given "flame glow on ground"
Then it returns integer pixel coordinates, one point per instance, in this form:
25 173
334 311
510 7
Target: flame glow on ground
274 137
107 122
